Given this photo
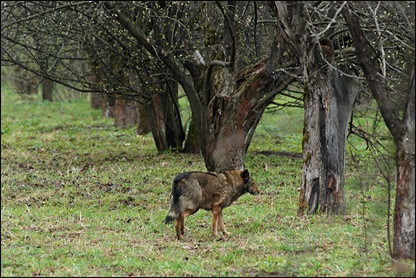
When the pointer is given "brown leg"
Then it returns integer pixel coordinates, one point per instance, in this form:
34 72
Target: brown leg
180 224
221 223
216 211
183 223
179 227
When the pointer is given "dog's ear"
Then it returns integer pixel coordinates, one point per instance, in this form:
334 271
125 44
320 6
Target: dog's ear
245 175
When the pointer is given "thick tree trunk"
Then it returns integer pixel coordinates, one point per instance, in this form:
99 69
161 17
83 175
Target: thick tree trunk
224 144
221 141
329 100
226 150
404 211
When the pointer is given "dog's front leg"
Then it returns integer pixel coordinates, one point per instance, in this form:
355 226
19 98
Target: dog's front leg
216 212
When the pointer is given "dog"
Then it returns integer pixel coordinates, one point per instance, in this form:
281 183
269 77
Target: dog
207 190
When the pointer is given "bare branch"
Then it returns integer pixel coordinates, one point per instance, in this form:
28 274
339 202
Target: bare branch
333 20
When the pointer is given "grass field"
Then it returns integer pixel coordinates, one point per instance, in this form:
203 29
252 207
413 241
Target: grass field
80 197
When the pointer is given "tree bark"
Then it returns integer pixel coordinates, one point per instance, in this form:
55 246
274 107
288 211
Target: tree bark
224 143
324 139
328 103
404 211
192 139
329 100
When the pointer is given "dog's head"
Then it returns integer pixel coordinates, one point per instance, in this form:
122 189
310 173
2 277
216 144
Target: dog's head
249 183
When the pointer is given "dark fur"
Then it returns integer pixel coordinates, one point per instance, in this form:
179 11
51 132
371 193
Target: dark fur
210 191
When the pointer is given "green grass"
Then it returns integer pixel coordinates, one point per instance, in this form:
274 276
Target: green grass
80 197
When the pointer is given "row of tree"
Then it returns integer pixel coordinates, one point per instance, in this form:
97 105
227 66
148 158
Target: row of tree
232 58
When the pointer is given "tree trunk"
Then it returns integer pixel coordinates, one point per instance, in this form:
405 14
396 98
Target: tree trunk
224 144
154 110
329 100
404 211
175 135
96 77
192 139
24 81
164 117
96 100
47 89
143 126
124 111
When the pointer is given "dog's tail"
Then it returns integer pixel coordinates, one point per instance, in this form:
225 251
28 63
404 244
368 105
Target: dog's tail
171 216
174 210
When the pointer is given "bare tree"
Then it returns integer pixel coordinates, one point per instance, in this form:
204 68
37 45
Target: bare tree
224 94
383 37
77 45
305 35
390 74
219 62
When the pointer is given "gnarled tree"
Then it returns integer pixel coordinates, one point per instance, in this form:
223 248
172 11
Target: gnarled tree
225 94
330 90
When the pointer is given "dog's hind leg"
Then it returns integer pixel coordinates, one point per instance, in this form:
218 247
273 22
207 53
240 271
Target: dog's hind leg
216 214
180 226
222 226
180 223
